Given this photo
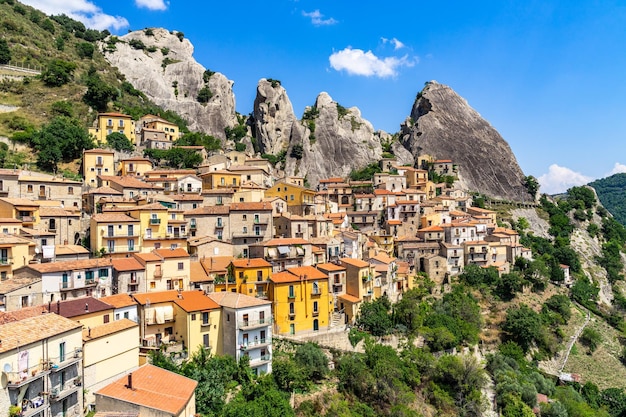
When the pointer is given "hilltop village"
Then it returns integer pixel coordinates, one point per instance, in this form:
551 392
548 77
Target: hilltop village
95 274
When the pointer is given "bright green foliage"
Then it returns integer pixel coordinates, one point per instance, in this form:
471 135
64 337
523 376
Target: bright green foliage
297 151
259 398
462 377
366 173
582 194
98 92
523 326
610 192
288 374
204 95
585 292
515 407
591 338
62 108
409 311
119 142
5 52
48 25
575 404
63 139
206 75
85 49
58 73
236 133
312 360
374 317
557 309
209 142
136 44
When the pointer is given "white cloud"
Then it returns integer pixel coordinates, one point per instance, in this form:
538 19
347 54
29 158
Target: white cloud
617 169
559 179
396 43
82 10
317 18
359 62
152 4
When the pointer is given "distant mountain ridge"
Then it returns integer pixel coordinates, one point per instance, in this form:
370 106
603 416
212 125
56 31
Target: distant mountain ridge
611 192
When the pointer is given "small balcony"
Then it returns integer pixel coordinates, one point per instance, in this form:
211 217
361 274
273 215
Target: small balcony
59 392
263 359
66 285
193 226
316 291
219 225
6 261
252 324
155 221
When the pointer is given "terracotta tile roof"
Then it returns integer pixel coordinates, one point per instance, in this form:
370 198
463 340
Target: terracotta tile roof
9 220
155 297
70 265
129 182
262 205
384 258
394 222
107 151
186 197
119 300
251 263
61 250
137 158
79 307
127 264
115 115
23 313
172 253
328 267
284 276
216 263
113 218
15 283
147 257
236 300
195 301
55 212
350 298
20 202
6 239
170 171
107 329
331 180
153 387
33 329
204 210
197 272
219 191
355 262
431 229
308 271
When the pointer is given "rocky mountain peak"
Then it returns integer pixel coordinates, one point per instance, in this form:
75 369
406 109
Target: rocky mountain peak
274 116
443 125
161 64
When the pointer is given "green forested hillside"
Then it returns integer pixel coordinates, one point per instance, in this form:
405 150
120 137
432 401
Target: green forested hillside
612 194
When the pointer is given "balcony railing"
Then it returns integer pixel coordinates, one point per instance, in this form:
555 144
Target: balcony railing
250 324
193 226
256 343
66 285
155 221
6 261
316 291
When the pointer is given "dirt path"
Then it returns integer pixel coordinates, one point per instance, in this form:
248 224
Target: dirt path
575 337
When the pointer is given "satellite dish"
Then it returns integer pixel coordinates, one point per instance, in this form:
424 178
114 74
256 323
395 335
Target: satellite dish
4 380
37 250
7 367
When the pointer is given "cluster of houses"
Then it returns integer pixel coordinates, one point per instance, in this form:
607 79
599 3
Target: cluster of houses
95 274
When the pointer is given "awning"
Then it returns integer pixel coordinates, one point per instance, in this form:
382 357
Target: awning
272 252
300 251
283 250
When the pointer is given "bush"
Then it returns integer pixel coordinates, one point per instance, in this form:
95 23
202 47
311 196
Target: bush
180 36
136 44
85 49
591 338
5 52
58 73
313 360
47 25
297 151
204 95
119 142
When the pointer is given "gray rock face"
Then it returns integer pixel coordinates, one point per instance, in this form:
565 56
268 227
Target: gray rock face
175 86
339 144
274 117
444 126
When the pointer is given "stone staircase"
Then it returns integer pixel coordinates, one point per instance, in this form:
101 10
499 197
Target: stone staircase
337 319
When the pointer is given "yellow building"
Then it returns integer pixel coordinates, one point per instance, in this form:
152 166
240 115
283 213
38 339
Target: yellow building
246 276
300 200
300 300
166 269
159 227
189 317
97 162
137 166
220 179
155 123
107 123
109 351
15 252
22 209
116 234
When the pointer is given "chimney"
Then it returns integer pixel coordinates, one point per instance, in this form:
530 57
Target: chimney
86 307
89 331
59 307
130 381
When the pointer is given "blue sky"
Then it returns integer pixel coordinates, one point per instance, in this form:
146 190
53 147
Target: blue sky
548 75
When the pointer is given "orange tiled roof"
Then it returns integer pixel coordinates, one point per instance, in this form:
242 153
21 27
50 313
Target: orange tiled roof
70 265
216 263
23 332
113 217
251 263
107 329
197 272
308 271
119 300
236 300
147 257
355 262
350 298
127 264
207 210
195 301
153 387
262 205
431 229
155 297
330 267
172 253
284 242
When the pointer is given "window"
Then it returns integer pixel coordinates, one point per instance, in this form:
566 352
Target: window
106 318
244 217
70 190
103 273
292 309
29 188
152 285
259 275
62 352
205 341
131 245
291 197
205 318
315 306
126 314
193 317
181 266
117 316
292 293
316 288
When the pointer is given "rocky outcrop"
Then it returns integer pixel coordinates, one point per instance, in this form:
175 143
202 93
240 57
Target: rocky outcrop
274 117
332 141
444 126
172 78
